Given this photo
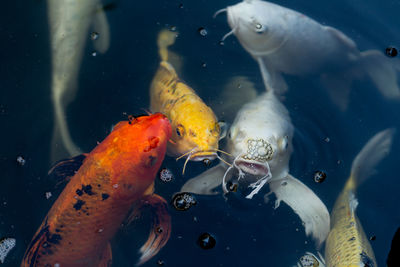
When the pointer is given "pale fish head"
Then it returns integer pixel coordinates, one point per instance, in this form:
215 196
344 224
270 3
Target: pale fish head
260 26
263 155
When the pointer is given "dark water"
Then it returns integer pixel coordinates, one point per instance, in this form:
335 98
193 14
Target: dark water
248 233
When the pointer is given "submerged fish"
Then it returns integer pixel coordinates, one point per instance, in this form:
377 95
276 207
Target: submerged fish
260 141
347 244
116 176
69 23
282 40
196 131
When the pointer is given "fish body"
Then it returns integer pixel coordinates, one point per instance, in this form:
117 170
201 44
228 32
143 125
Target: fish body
69 23
283 40
116 175
347 244
196 131
260 142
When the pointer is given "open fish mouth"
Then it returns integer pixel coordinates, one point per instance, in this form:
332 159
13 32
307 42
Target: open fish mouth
203 156
253 167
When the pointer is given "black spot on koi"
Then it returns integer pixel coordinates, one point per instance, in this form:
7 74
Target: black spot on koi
78 205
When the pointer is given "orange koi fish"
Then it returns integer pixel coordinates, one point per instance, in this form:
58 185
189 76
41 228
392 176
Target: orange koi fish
116 176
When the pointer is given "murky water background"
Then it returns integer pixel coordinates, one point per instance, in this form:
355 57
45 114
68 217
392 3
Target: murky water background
248 233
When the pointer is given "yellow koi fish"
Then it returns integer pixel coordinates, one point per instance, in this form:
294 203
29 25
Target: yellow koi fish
196 131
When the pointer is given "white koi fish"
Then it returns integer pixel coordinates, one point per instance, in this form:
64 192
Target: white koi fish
69 23
282 40
260 141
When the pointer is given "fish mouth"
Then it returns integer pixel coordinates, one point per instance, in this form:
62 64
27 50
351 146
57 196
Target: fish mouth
253 167
201 156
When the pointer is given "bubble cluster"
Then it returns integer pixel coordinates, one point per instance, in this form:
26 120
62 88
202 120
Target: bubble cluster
258 149
6 245
183 201
309 260
21 161
166 175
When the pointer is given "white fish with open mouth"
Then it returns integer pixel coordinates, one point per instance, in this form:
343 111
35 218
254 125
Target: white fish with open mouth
260 141
285 41
69 22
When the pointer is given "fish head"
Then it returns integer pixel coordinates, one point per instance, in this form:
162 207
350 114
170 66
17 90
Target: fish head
134 151
195 131
266 154
260 26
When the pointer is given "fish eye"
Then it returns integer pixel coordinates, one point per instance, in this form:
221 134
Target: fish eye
259 28
284 142
180 130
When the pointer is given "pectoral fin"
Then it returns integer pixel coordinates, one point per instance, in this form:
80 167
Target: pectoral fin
100 25
160 225
311 210
204 183
273 80
106 257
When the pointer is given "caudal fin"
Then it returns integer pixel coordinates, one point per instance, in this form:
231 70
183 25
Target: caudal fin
165 39
383 71
311 210
370 155
160 226
62 144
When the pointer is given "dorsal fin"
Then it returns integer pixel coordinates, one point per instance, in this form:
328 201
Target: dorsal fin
64 169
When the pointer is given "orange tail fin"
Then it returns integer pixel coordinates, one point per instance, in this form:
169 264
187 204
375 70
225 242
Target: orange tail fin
160 226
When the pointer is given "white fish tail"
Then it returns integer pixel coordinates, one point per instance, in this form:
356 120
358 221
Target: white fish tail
383 71
62 144
311 210
371 154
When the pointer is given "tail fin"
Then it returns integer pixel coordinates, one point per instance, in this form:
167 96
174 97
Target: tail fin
370 155
383 71
165 39
311 210
62 144
160 228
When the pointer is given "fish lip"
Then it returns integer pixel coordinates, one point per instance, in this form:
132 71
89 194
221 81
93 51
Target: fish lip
253 167
202 156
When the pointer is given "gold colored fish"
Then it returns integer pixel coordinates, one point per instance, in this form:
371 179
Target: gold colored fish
196 131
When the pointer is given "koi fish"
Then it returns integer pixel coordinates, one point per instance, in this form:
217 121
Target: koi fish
260 141
347 244
115 176
282 40
196 131
69 23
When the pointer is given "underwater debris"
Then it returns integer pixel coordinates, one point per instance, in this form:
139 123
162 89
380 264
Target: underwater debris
160 263
21 161
6 245
48 195
372 238
319 176
183 201
166 175
94 36
206 241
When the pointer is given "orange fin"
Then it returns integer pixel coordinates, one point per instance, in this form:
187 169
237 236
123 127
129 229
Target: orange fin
160 226
63 170
106 257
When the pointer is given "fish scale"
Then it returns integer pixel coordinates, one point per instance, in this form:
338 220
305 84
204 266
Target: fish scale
347 244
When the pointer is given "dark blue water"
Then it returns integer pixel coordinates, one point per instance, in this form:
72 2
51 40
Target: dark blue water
248 233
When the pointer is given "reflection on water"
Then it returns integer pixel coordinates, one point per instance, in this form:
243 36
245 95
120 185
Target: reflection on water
116 83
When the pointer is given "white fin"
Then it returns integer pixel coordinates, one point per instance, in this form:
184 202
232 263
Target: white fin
383 71
238 91
311 210
273 80
372 153
353 202
342 37
224 129
100 25
204 183
62 144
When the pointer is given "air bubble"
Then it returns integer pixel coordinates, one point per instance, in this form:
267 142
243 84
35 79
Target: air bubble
391 51
319 176
183 201
94 36
206 241
21 161
202 31
166 175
